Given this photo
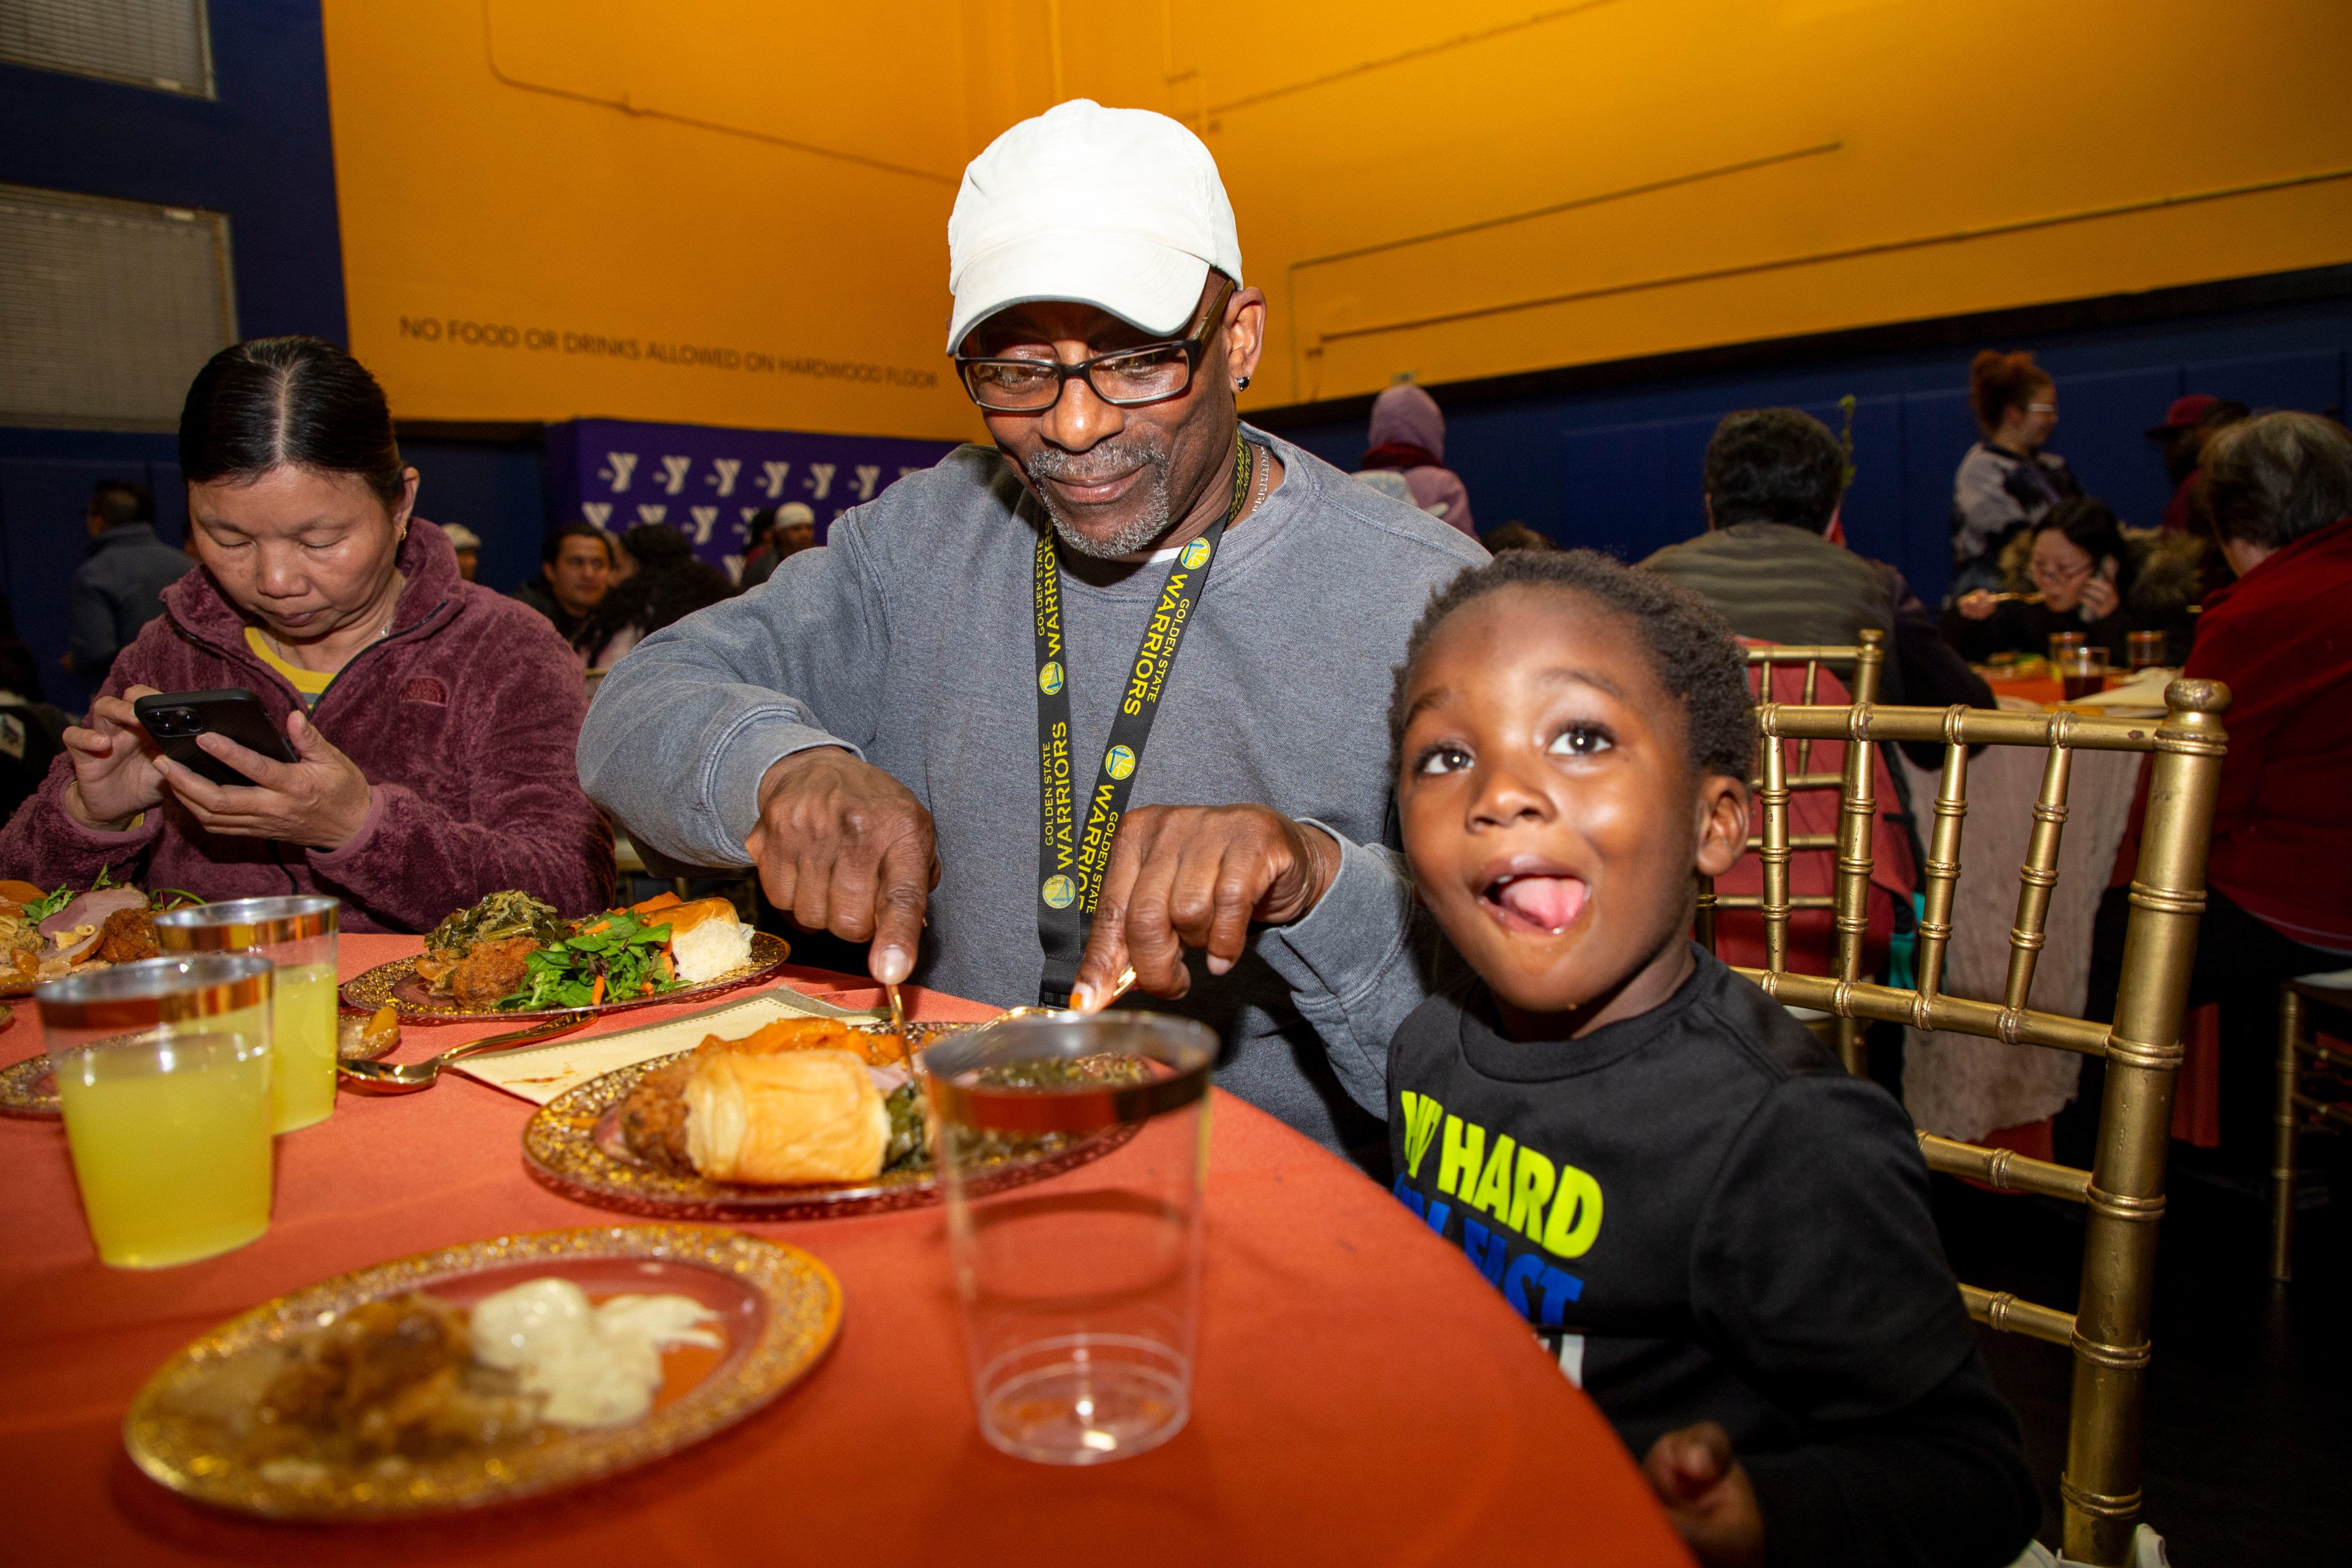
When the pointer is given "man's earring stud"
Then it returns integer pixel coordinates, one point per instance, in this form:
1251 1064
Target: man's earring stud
1240 383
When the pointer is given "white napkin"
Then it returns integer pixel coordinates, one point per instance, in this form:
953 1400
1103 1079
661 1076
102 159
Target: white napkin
540 1073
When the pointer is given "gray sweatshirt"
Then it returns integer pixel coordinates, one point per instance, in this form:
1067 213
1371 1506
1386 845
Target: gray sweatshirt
908 641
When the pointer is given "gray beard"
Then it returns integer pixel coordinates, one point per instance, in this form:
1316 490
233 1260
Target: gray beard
1151 519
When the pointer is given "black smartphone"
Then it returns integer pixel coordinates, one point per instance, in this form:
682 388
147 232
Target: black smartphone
176 718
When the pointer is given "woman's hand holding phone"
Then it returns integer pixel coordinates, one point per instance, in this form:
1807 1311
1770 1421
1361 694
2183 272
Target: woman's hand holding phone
319 801
2099 595
114 763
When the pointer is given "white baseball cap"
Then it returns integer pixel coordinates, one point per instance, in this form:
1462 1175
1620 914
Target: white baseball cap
1119 208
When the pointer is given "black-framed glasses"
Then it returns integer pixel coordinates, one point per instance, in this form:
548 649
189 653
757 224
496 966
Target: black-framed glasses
1124 378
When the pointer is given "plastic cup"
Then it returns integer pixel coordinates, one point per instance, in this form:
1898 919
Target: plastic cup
2084 672
2144 650
297 934
1079 1294
163 1069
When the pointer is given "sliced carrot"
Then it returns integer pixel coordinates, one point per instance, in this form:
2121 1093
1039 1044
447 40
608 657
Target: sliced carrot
597 992
645 989
658 902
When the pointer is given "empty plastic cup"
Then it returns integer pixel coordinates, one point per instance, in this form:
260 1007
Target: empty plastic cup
1079 1293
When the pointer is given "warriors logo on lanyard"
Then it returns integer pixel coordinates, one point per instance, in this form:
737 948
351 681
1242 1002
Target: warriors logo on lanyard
1070 860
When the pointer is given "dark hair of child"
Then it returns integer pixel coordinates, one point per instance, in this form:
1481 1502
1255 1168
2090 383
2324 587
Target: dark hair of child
1691 648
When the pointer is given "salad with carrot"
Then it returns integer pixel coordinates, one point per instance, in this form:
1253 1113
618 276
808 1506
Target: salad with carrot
615 956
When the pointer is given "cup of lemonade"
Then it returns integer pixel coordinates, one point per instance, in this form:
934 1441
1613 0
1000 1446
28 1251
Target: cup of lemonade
297 934
162 1070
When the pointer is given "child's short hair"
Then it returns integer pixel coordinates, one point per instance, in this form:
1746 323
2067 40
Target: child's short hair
1691 646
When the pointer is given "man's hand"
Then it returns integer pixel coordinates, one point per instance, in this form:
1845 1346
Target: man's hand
1978 605
114 765
1197 876
1708 1496
848 849
320 800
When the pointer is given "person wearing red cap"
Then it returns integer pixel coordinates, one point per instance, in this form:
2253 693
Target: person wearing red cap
2186 425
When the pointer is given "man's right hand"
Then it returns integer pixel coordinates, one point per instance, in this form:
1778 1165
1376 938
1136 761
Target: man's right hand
847 848
115 776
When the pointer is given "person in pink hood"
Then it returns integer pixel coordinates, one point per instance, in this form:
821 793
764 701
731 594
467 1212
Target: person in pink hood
433 720
1409 437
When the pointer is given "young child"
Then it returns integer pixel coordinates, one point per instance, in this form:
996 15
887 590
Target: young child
1724 1238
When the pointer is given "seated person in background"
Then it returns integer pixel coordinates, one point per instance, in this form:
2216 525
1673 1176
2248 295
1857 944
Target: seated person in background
1773 562
2090 576
466 543
1515 536
1408 437
667 585
2281 489
121 587
781 533
1724 1237
575 571
433 720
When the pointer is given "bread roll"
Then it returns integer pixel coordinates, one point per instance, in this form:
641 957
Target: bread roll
705 940
793 1117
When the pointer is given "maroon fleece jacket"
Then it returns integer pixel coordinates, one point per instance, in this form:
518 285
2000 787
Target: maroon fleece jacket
464 719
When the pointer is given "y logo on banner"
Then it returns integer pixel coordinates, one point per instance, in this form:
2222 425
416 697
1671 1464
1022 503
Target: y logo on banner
673 471
618 467
704 518
724 478
820 479
599 513
774 482
867 473
648 512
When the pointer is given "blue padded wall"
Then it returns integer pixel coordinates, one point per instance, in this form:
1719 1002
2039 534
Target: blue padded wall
1617 468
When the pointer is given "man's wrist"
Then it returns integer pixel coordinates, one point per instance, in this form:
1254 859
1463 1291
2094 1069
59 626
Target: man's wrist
1322 865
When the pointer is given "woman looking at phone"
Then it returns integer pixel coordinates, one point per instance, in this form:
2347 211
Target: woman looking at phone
431 723
2080 573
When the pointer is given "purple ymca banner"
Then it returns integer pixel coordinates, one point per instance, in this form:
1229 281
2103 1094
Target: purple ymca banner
707 482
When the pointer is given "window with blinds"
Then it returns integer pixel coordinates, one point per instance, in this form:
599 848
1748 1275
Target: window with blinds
108 308
161 44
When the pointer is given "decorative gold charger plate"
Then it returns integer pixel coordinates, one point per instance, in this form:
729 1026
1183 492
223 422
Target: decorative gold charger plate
397 983
779 1308
573 1147
30 1089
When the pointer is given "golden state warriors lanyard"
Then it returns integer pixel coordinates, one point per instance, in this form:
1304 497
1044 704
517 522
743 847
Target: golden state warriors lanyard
1070 864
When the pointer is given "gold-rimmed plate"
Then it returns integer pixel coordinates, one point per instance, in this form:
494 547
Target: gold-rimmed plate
396 985
779 1310
574 1146
30 1089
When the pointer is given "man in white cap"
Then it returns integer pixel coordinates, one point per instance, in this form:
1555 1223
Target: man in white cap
925 733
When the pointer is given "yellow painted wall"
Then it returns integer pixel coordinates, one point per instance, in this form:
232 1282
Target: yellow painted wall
1466 189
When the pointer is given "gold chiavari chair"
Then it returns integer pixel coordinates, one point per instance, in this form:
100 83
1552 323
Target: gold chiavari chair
2312 1093
2123 1190
1861 667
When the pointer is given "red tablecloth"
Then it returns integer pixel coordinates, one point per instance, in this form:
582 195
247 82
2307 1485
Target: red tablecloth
1362 1396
